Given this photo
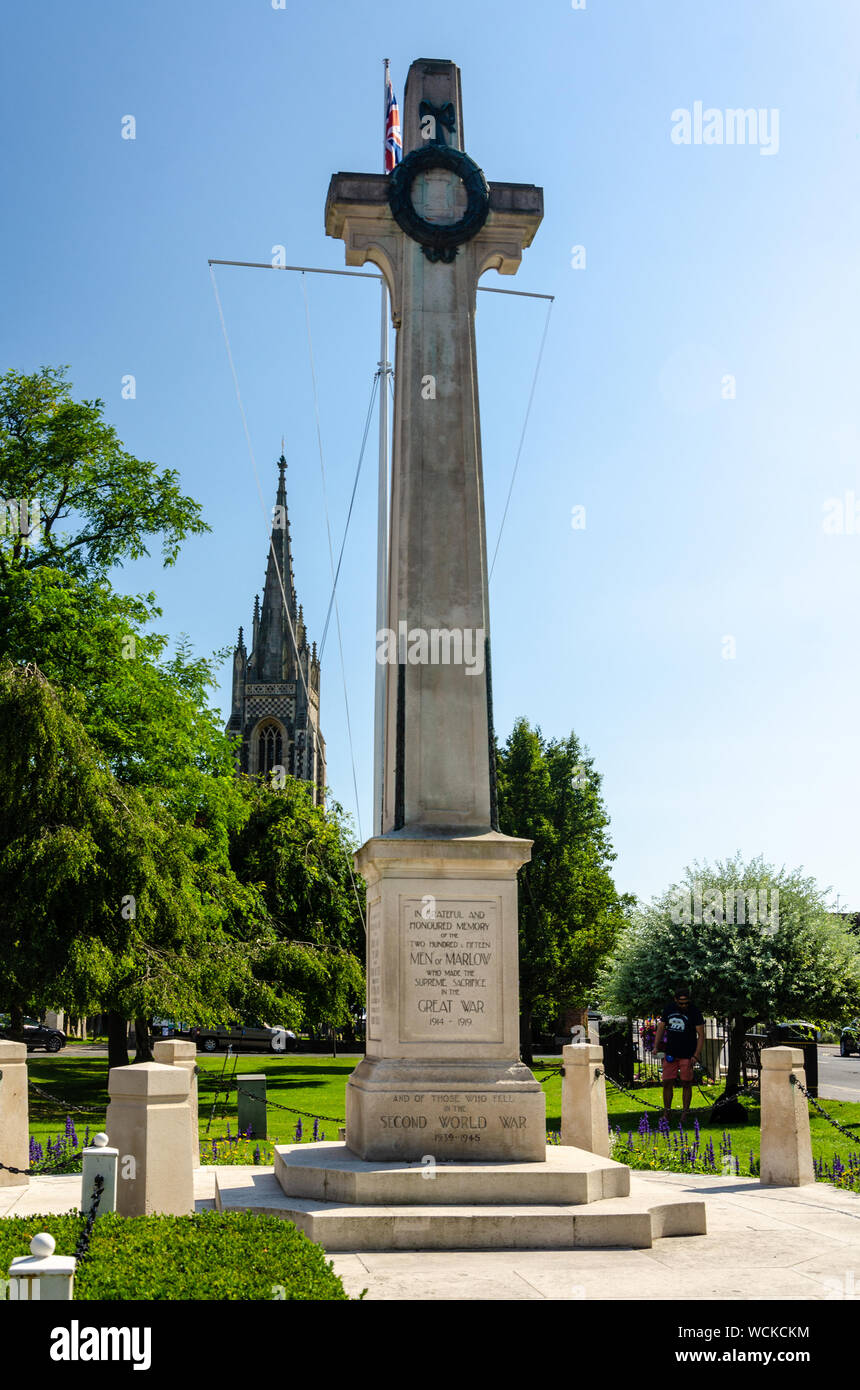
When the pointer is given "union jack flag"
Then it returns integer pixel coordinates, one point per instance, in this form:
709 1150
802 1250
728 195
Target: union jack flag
393 137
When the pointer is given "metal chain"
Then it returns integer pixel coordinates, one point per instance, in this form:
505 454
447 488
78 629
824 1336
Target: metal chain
306 1114
83 1245
724 1100
812 1101
40 1172
638 1099
66 1105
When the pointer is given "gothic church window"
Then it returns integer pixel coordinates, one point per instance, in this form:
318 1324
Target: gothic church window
269 747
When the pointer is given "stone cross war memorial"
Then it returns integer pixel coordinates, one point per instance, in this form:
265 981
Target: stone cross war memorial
442 1092
442 1074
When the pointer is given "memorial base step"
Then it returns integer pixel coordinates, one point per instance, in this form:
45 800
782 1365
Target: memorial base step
484 1223
333 1173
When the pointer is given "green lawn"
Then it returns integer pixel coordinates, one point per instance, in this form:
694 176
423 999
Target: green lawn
826 1141
315 1086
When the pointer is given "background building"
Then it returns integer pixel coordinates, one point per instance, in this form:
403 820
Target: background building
276 690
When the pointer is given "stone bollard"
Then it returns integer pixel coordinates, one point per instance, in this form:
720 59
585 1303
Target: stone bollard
251 1098
99 1161
14 1119
42 1276
786 1148
177 1052
584 1120
149 1121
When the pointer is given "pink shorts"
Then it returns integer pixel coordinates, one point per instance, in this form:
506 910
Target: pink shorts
682 1066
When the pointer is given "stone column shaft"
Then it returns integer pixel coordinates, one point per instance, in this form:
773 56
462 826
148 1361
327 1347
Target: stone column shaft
179 1052
584 1119
14 1113
149 1121
786 1146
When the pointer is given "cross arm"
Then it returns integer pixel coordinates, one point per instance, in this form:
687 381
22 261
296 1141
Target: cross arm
357 213
516 212
354 194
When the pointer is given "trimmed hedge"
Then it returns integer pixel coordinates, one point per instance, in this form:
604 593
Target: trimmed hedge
210 1255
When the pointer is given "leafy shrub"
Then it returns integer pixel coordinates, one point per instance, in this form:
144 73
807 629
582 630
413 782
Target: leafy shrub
210 1255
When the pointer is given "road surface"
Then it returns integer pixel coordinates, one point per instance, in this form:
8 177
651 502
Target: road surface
838 1077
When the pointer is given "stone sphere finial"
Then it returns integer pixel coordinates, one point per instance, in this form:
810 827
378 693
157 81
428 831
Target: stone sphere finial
42 1245
100 1140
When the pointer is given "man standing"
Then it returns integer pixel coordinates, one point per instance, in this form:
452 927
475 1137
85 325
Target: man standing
683 1027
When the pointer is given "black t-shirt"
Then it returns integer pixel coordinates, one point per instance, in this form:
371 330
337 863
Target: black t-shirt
679 1039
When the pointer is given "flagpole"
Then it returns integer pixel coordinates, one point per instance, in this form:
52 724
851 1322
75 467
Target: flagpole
382 528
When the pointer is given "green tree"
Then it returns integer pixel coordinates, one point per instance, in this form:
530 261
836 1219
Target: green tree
109 902
88 505
744 964
569 910
301 858
147 721
60 454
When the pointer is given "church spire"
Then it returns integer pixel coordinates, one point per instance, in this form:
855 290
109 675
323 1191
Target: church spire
276 690
273 657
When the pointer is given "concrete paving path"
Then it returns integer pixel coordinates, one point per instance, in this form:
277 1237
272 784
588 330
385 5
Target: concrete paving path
792 1244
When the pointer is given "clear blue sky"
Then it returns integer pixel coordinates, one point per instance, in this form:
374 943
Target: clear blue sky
704 515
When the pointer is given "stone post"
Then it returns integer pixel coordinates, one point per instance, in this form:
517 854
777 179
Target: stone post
251 1102
149 1121
99 1161
14 1122
43 1276
177 1052
584 1121
786 1148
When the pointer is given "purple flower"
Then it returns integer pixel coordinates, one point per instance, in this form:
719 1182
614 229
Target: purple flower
316 1129
297 1137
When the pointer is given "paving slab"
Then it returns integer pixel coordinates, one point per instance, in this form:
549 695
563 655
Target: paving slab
55 1194
789 1244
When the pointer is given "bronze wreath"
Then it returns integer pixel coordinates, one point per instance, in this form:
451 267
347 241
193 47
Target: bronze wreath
440 242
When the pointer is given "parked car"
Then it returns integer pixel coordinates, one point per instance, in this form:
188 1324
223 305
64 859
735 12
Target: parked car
794 1030
797 1030
254 1037
35 1034
849 1039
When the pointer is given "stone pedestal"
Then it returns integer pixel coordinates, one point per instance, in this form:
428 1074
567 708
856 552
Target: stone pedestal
442 1075
786 1146
584 1119
14 1122
149 1121
178 1052
42 1275
100 1160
